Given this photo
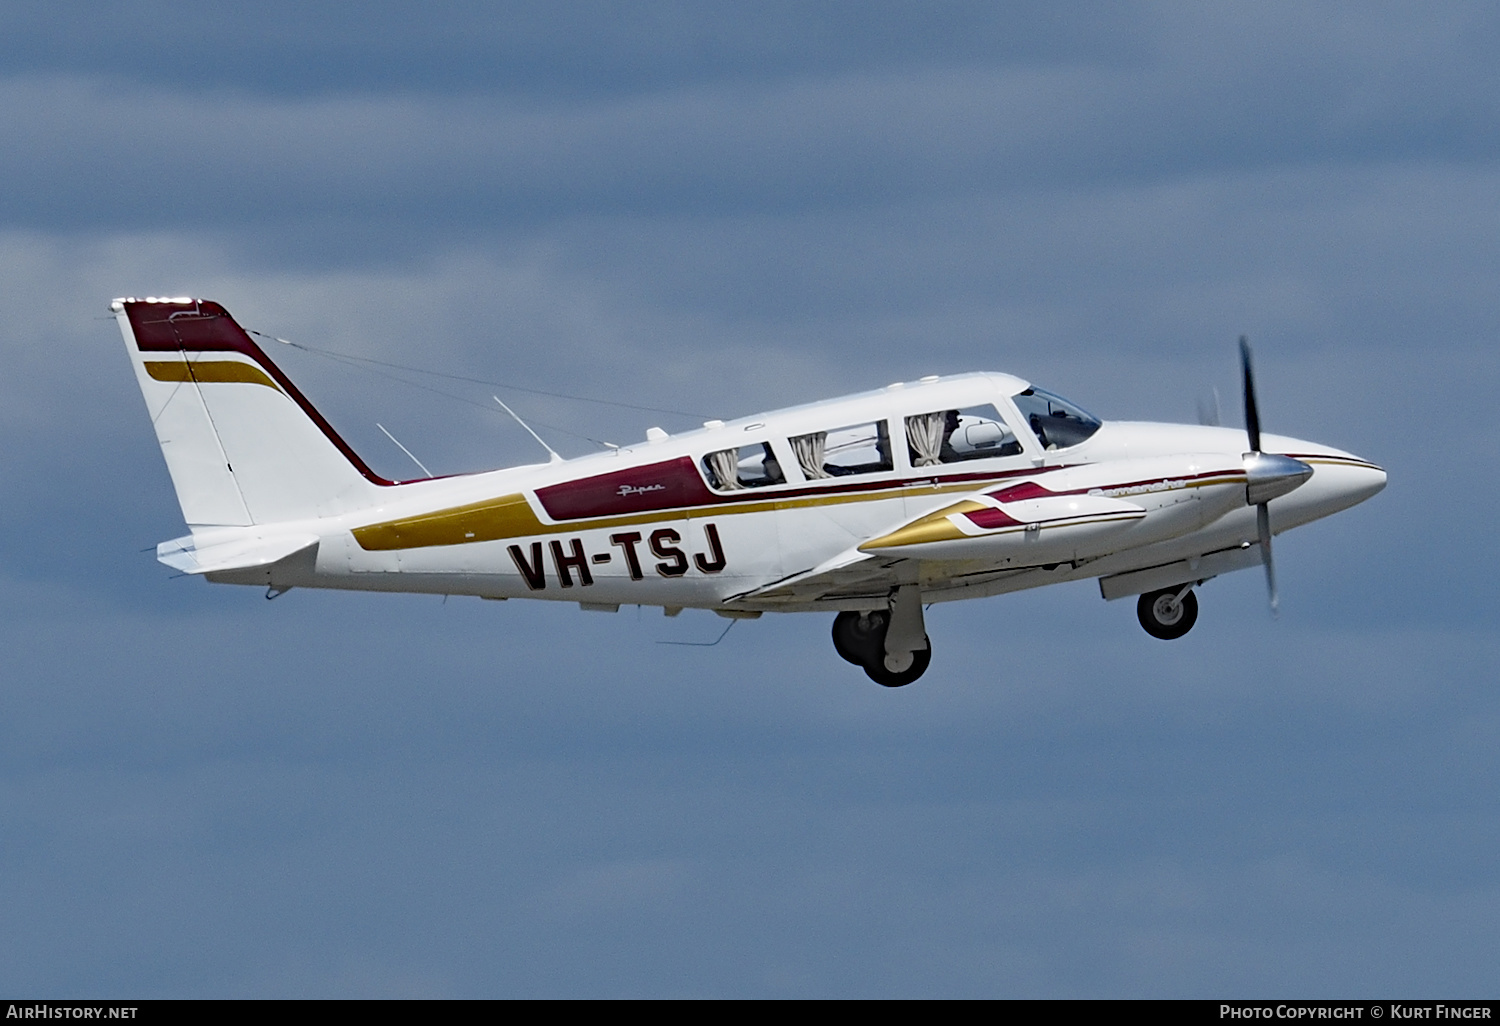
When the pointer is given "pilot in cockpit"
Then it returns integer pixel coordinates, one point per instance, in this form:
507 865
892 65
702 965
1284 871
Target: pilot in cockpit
946 452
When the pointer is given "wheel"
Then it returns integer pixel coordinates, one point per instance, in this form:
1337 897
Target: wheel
876 671
860 637
1163 616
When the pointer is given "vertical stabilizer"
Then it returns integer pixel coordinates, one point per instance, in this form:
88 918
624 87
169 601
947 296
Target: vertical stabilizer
242 444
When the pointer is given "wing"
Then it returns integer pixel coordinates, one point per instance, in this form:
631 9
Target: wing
978 539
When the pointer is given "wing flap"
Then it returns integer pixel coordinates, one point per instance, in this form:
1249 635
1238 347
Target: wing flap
850 575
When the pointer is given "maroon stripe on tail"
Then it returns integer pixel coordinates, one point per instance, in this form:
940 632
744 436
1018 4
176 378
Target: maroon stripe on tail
206 327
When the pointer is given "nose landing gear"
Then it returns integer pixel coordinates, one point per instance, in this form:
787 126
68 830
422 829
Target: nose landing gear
1168 614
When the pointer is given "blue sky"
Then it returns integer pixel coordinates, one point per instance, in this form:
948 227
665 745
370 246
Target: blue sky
716 209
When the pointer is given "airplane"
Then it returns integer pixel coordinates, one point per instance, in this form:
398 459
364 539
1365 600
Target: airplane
870 506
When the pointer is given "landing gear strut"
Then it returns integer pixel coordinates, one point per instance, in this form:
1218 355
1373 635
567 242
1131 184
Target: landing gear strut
1168 614
891 645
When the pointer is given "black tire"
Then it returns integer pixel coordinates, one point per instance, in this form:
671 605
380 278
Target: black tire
859 638
877 672
1165 618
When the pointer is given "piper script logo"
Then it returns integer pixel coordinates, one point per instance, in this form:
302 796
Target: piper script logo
640 489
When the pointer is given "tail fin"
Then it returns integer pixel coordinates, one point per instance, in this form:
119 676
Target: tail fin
243 446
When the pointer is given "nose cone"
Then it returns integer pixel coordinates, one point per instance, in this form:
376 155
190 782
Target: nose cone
1342 480
1369 479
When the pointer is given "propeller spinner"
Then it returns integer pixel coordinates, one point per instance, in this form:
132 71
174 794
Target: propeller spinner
1267 475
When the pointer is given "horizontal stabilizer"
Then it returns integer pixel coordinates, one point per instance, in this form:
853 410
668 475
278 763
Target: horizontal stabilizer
245 552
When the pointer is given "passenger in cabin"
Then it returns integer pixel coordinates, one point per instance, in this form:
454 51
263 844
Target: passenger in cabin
950 424
756 472
772 468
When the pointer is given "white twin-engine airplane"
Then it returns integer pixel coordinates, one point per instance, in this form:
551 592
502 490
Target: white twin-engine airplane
869 506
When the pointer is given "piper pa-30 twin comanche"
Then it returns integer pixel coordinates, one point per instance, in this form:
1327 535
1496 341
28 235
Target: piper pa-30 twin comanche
869 506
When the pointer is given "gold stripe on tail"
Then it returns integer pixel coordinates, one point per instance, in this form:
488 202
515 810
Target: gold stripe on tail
227 371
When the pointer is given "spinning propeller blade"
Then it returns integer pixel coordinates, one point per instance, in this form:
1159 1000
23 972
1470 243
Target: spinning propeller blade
1267 475
1252 411
1208 413
1263 528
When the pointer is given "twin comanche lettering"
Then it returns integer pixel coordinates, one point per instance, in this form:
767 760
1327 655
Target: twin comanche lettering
663 543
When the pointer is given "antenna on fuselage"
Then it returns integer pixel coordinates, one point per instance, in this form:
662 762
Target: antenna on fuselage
399 445
555 458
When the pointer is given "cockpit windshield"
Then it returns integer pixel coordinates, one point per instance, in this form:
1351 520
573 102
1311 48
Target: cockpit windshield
1057 423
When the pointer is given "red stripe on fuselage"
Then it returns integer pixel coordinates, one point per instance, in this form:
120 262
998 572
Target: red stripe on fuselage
990 519
656 486
676 484
1024 490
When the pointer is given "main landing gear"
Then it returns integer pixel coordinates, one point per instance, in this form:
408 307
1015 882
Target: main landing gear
1168 614
891 645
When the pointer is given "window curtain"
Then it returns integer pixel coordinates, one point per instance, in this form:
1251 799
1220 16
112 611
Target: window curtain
726 467
809 450
925 434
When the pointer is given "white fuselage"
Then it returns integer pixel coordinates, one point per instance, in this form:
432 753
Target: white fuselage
648 525
871 505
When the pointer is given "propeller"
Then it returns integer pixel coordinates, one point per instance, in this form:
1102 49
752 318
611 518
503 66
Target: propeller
1208 414
1267 475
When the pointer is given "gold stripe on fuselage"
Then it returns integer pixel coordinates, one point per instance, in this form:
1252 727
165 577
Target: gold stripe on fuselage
511 516
934 527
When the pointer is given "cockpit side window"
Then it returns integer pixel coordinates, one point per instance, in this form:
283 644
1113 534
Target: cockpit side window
955 436
860 449
1057 423
749 466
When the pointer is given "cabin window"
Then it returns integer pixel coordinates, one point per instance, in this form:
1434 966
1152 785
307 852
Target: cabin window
860 449
1057 423
954 436
749 466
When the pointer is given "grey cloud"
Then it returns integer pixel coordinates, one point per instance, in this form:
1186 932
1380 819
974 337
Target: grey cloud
567 49
148 156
